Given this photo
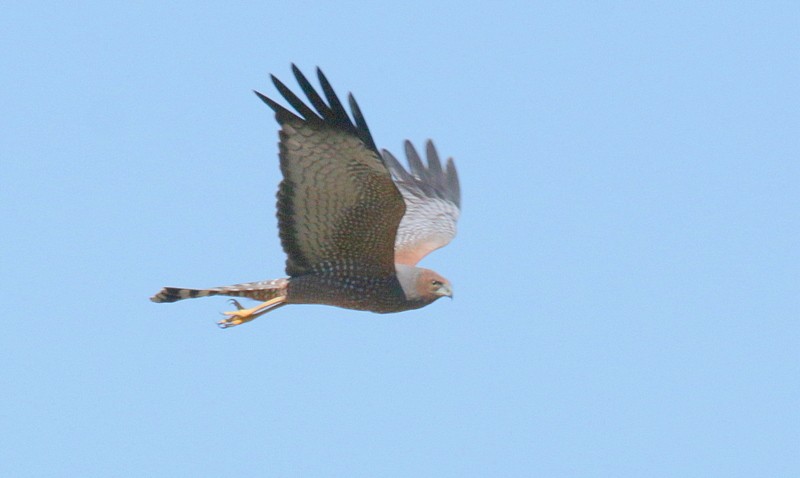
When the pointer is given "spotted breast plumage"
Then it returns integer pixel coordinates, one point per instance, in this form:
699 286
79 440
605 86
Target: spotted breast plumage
352 220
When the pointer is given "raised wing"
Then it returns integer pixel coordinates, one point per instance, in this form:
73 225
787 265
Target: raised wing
337 202
433 203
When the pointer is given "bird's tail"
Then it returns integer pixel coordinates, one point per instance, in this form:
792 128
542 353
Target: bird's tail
263 291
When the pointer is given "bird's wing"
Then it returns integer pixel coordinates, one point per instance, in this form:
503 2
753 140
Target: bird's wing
433 203
337 202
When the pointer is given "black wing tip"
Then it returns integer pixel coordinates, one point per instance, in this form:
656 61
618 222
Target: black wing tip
330 112
269 101
275 81
361 123
282 114
263 97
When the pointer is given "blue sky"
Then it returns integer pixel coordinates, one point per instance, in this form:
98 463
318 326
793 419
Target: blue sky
626 274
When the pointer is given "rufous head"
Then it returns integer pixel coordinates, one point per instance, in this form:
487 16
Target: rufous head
422 285
430 285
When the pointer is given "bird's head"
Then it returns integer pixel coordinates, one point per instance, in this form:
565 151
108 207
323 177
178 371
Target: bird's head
430 284
423 285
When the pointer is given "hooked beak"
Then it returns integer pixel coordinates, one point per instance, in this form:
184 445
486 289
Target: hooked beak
444 290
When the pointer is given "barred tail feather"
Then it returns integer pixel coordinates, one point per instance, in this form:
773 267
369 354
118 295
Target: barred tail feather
174 294
263 291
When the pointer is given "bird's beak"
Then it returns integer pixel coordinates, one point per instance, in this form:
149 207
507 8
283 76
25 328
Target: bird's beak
444 291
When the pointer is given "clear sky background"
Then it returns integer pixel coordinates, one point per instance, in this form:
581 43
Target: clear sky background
626 274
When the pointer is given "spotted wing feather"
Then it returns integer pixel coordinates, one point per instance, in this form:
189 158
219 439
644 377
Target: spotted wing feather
337 201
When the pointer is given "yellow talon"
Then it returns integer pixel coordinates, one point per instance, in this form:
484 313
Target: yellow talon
242 315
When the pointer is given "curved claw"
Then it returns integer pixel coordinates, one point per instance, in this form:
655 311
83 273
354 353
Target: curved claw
236 304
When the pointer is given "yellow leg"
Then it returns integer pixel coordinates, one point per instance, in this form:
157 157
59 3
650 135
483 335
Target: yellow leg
242 315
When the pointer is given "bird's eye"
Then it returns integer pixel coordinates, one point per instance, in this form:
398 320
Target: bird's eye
436 283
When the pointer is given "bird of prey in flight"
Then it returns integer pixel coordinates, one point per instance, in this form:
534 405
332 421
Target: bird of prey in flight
353 221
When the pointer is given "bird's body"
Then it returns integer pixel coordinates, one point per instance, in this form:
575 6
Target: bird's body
352 221
374 293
